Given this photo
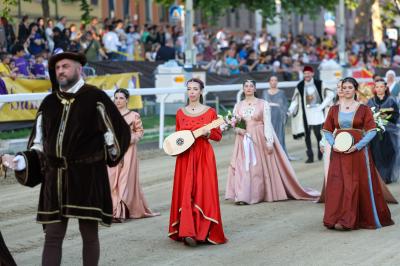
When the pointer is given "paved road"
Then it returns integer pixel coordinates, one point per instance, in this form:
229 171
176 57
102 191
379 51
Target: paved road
281 233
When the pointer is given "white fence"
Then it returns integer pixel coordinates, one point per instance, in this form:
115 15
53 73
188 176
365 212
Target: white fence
164 93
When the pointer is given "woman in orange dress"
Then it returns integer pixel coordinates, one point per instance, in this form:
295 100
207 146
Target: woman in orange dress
195 212
354 197
126 192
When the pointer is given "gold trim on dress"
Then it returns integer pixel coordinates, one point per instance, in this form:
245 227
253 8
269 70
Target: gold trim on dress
175 223
87 208
48 222
206 217
212 242
46 213
83 217
172 233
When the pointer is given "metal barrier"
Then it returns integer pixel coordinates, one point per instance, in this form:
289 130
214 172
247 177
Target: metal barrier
164 93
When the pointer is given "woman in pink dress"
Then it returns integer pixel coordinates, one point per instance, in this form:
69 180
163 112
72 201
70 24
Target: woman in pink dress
259 169
126 192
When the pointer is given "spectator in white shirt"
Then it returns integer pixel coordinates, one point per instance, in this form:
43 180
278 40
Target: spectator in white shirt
111 43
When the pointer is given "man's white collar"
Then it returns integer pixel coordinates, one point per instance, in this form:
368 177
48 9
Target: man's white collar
76 87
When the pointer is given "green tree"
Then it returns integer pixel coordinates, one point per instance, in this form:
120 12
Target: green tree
6 8
85 8
214 9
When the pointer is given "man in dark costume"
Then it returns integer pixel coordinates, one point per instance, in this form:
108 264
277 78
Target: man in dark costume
77 133
309 100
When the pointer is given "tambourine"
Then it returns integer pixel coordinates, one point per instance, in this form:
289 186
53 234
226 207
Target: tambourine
343 141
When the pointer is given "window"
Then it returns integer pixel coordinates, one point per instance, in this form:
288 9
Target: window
228 18
251 17
94 2
162 11
237 18
148 12
111 8
126 8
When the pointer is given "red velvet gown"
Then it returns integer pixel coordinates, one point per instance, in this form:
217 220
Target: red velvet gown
354 196
195 210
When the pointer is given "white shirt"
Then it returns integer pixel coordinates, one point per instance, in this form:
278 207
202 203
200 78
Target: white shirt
314 114
111 41
38 140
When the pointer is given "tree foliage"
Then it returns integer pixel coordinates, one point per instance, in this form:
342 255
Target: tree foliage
85 8
214 9
389 12
6 9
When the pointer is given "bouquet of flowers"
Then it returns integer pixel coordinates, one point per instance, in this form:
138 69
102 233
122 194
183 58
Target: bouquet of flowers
234 121
381 120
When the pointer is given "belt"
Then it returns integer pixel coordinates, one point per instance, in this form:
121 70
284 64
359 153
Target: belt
63 162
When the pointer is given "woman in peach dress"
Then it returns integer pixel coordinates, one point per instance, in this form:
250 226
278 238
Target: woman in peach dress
126 192
259 169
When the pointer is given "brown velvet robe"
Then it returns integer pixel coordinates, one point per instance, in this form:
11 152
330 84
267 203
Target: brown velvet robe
73 165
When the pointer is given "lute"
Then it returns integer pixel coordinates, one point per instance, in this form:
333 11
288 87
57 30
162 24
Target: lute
180 141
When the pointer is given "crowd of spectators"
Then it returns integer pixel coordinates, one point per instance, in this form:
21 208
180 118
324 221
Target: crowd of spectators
217 51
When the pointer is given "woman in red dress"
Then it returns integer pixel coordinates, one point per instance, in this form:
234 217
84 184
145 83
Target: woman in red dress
354 197
195 212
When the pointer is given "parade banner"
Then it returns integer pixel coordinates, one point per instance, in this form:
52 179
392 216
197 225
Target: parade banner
26 110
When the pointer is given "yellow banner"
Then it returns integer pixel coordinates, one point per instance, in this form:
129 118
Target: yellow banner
26 110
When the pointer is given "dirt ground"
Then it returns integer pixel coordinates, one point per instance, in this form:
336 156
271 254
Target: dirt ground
280 233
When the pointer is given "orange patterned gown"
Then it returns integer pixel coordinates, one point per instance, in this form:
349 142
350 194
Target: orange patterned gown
195 210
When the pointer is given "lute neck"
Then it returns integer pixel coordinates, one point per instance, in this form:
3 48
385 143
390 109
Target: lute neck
214 124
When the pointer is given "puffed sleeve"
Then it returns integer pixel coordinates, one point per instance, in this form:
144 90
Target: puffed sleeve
177 124
268 129
329 124
33 173
116 125
216 133
137 130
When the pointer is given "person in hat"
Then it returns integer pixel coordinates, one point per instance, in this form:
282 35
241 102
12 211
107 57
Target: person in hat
78 132
307 108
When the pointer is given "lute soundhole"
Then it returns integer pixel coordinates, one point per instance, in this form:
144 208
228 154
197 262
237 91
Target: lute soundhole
180 141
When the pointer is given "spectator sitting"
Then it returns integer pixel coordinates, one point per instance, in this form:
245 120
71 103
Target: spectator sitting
61 24
60 40
36 41
232 62
252 62
111 43
5 70
166 52
151 55
38 68
20 62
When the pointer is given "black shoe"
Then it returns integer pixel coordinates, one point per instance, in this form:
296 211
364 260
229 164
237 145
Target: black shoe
190 241
309 160
320 156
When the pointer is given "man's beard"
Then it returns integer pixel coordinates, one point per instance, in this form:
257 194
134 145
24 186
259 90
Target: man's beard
67 83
